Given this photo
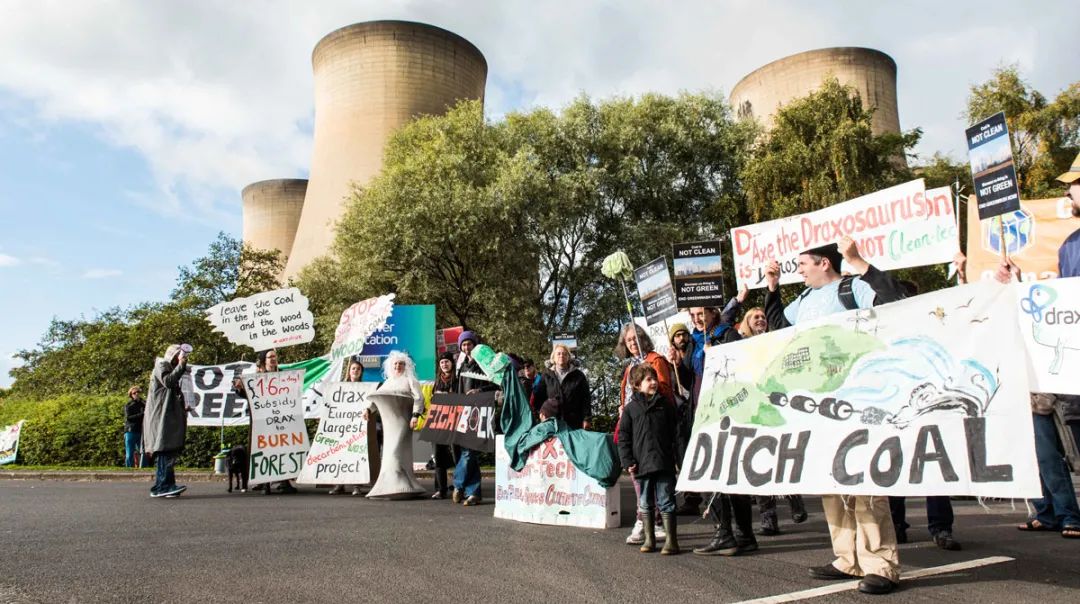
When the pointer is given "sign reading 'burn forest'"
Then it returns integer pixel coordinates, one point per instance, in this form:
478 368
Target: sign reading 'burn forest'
467 420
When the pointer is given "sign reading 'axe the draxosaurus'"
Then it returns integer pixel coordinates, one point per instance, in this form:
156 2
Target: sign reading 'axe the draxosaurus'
467 420
927 396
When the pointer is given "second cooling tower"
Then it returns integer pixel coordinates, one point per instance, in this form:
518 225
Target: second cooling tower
371 79
871 72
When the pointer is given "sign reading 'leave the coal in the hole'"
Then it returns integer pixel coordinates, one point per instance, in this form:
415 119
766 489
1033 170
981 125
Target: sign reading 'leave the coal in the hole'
267 320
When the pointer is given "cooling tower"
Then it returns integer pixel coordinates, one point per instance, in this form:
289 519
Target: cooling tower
871 72
370 79
272 212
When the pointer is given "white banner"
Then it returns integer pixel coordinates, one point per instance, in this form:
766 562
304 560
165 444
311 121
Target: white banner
550 490
1049 314
9 442
279 439
340 451
357 323
898 227
266 320
927 396
658 332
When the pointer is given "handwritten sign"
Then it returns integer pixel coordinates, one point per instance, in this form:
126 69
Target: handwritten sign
273 319
357 323
340 452
551 490
279 439
898 227
210 396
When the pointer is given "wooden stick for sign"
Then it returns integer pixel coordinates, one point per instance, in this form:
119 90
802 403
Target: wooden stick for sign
1004 247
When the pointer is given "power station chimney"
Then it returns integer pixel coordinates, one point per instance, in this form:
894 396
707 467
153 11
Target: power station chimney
272 212
371 79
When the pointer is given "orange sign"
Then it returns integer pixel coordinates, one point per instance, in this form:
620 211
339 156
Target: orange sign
1033 235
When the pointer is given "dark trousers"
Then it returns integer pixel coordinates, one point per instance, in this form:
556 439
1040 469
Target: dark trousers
939 514
444 459
726 508
165 478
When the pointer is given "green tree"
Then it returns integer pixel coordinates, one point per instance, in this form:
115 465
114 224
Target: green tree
821 151
1045 134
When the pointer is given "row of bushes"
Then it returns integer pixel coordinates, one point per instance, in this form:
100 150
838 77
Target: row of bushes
78 430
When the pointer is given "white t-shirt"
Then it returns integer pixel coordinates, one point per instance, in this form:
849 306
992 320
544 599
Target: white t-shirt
825 301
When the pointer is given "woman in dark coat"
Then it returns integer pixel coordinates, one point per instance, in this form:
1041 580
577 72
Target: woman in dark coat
445 381
568 385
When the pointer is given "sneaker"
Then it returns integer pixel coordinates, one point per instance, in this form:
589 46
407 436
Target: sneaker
456 498
338 490
438 495
830 573
472 500
154 494
356 491
659 532
637 534
173 492
945 541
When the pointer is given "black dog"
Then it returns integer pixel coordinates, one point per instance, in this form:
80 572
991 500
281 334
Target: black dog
237 462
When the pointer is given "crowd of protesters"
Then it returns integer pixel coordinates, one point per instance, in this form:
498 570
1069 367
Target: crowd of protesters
658 396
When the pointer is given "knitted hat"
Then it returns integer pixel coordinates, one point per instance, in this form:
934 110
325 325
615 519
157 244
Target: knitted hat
550 408
467 335
449 356
676 328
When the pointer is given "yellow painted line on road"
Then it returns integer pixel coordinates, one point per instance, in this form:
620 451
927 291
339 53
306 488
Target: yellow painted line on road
834 588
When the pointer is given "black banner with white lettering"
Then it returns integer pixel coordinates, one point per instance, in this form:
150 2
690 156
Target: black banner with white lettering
467 420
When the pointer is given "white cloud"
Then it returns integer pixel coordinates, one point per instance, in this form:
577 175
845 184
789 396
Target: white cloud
7 363
216 96
102 273
6 261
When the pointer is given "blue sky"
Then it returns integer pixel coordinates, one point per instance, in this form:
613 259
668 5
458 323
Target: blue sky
127 129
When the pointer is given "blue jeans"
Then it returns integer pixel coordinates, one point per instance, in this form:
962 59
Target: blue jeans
1057 507
132 444
165 478
467 473
658 486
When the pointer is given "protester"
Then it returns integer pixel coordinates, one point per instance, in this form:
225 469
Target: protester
165 419
681 356
133 421
646 439
266 361
861 528
567 384
753 324
443 454
355 373
1057 509
636 347
399 375
467 476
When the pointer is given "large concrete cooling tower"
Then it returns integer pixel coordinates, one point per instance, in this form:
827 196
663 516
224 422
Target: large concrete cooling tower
272 212
370 79
871 72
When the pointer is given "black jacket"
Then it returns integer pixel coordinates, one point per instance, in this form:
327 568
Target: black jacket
573 394
647 435
465 384
886 289
133 415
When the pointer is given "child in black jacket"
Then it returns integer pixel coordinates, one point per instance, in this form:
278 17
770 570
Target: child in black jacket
647 451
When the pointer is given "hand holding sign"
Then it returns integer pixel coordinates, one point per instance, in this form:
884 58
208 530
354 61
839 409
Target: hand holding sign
267 320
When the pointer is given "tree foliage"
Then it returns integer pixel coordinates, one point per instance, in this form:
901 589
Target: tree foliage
115 349
820 151
1045 134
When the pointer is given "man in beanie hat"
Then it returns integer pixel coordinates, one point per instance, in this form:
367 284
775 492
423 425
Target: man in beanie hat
861 527
467 472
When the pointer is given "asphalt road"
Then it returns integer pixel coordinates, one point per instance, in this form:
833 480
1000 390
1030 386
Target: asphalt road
110 542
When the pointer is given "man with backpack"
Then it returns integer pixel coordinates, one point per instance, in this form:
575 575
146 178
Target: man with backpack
861 528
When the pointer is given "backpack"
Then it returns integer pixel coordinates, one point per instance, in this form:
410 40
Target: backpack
844 293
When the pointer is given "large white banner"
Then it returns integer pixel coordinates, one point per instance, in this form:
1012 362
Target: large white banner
279 439
1049 314
266 320
927 396
898 227
550 490
340 451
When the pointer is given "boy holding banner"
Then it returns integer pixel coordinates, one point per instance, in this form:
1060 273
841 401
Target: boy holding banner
861 528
